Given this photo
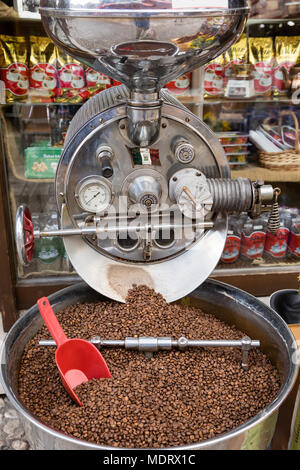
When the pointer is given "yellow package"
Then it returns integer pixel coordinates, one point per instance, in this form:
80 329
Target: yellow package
42 69
237 54
70 72
261 56
287 54
214 78
13 67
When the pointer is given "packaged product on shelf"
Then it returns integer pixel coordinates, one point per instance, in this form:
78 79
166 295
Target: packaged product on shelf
97 79
240 84
233 241
42 69
237 162
181 86
277 244
261 56
233 138
289 136
287 54
292 8
237 54
13 67
253 238
70 72
48 250
294 238
214 78
236 149
41 162
269 8
60 118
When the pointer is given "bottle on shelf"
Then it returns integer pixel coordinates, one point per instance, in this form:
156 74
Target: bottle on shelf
294 239
253 238
277 244
48 250
233 241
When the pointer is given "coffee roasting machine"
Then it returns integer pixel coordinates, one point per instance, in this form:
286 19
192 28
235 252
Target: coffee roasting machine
143 187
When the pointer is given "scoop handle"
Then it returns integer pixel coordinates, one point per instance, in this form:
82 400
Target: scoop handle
51 321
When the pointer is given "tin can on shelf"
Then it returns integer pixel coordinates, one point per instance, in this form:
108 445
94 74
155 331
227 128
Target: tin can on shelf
253 238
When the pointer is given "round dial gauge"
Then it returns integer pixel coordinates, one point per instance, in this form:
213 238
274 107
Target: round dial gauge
94 195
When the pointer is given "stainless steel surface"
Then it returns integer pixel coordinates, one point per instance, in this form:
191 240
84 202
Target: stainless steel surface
144 118
145 190
227 303
20 236
139 45
189 188
231 195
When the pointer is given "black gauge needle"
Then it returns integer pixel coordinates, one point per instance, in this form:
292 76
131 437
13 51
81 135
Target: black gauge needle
93 197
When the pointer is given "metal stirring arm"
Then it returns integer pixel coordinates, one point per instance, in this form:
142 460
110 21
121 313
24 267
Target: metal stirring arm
151 344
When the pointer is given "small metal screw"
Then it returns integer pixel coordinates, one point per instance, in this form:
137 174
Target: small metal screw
164 125
187 119
101 120
174 179
122 126
61 194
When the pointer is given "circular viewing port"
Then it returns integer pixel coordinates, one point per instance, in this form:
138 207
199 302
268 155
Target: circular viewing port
126 243
165 239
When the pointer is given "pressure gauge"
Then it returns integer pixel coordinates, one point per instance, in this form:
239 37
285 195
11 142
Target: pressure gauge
94 194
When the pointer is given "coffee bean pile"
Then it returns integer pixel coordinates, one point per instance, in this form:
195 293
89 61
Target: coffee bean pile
176 398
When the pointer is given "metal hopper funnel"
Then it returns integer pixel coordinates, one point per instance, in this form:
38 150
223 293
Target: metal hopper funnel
144 43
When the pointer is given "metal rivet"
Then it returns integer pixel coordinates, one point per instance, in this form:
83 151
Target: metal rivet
187 119
101 120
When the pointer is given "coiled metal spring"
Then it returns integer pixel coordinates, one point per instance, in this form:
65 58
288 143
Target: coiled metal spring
274 219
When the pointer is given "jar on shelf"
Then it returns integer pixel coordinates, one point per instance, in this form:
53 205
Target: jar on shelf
241 82
253 238
294 238
277 244
233 241
48 250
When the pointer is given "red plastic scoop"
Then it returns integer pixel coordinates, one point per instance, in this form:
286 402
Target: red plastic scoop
77 360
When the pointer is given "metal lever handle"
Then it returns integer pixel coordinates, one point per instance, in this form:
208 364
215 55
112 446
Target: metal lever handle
150 344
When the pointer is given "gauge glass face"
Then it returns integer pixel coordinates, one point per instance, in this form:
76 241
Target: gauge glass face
94 196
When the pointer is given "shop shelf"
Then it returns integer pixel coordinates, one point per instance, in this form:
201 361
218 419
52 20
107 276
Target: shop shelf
257 172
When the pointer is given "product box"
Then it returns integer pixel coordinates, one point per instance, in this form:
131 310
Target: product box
41 162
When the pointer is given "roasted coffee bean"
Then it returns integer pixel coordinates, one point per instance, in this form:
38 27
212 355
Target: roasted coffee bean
175 398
